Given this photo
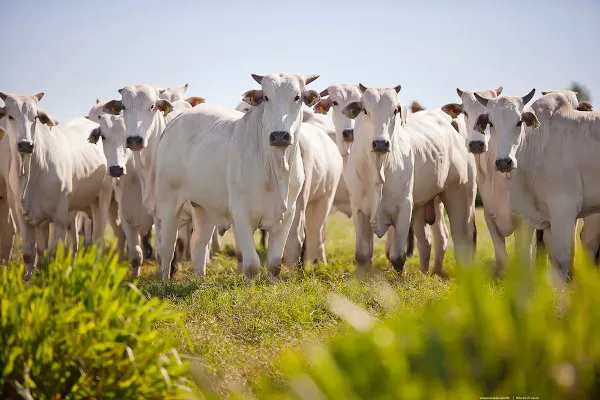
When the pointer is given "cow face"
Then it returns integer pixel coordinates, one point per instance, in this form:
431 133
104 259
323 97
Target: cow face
142 110
507 116
113 134
173 94
24 119
338 97
281 98
471 108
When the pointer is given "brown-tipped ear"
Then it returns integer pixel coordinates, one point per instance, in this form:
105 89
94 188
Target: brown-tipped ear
310 97
310 78
353 109
403 111
323 106
324 93
499 90
482 100
2 133
482 123
398 88
452 109
45 119
527 98
362 88
416 107
113 107
585 106
460 92
194 101
3 96
95 135
39 96
253 97
258 78
530 119
165 106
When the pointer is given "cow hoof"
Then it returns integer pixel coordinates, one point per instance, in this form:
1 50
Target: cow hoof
398 262
440 273
274 270
135 267
251 272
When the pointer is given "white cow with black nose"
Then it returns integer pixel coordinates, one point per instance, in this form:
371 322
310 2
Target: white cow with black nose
401 162
256 154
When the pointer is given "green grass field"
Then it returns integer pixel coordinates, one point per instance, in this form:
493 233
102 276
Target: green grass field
238 330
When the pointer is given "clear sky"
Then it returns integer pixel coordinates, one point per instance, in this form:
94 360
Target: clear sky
76 51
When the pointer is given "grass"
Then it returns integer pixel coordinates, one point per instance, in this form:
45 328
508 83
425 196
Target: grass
240 329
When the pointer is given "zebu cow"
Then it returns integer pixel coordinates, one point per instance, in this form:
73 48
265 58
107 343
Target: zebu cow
398 163
548 195
173 94
263 172
59 172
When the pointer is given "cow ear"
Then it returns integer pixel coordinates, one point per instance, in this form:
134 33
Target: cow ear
585 106
95 135
362 88
310 97
165 106
3 96
452 109
2 112
353 109
403 111
2 133
254 97
323 106
194 101
113 107
530 119
45 119
39 96
416 107
324 93
482 123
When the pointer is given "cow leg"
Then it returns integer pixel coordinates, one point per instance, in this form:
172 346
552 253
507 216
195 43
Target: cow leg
215 243
292 252
523 243
113 220
244 238
277 239
42 238
402 224
410 242
134 248
86 221
28 236
390 247
461 223
498 241
100 213
440 241
423 238
590 237
562 221
363 252
316 221
238 253
201 236
73 231
7 231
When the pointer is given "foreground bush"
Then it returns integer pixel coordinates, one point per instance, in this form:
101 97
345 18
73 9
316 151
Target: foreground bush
526 337
77 330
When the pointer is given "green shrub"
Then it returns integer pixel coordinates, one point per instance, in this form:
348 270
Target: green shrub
77 330
525 337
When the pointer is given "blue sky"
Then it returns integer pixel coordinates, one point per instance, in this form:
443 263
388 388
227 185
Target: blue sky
76 51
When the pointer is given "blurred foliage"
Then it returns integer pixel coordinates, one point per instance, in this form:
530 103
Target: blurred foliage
583 94
77 330
529 336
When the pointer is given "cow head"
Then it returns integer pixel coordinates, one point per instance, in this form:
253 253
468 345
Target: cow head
281 97
173 94
113 133
471 108
142 110
337 97
24 119
507 116
96 111
571 98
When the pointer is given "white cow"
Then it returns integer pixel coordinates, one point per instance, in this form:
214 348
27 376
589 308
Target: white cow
548 195
59 172
257 154
173 94
398 163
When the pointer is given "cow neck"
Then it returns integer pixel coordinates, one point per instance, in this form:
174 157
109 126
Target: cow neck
146 161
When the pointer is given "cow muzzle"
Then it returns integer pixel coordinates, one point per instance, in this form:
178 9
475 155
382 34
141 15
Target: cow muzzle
477 147
116 171
504 165
134 143
280 139
25 146
348 135
381 146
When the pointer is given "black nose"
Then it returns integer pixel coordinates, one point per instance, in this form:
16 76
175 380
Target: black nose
280 139
348 135
381 146
477 147
115 171
134 142
25 146
504 165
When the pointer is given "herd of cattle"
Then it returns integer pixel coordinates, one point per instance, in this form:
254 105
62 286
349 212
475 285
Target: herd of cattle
153 158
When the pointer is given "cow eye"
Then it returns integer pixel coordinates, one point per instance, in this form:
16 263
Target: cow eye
519 123
466 115
335 103
10 117
365 111
297 98
152 107
266 98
